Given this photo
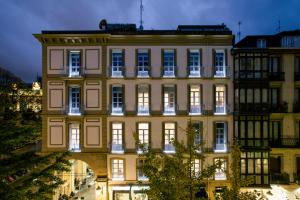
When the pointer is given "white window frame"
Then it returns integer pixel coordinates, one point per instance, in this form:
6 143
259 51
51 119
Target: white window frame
194 63
74 138
168 95
117 169
169 63
74 63
221 137
220 101
195 100
220 65
117 138
143 100
74 100
117 67
169 135
142 58
117 106
220 173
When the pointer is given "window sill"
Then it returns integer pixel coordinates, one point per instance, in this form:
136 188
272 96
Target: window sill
117 151
169 114
117 76
75 150
220 113
195 113
169 76
74 114
220 151
143 76
169 151
143 179
195 76
117 179
117 114
143 114
220 178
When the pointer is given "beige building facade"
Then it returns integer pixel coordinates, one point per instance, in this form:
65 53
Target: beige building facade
103 86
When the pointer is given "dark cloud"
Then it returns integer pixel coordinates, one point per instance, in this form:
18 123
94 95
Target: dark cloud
19 19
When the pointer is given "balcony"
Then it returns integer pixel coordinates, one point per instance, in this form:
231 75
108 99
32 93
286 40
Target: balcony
143 74
276 76
117 148
254 143
252 108
279 107
169 110
74 111
195 110
143 110
169 148
251 75
75 72
282 178
195 73
117 74
221 148
169 73
297 76
117 110
285 143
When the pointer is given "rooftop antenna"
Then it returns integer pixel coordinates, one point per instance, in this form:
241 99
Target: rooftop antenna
141 15
279 26
239 32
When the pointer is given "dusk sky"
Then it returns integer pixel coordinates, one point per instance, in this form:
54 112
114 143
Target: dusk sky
20 52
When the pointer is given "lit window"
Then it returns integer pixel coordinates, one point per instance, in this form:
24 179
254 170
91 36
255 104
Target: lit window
74 144
117 63
143 63
221 137
143 131
220 103
196 168
117 138
117 167
195 106
220 63
74 63
169 100
143 100
74 100
117 100
169 63
194 63
169 137
220 173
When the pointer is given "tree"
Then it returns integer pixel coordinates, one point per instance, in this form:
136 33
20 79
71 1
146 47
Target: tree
24 172
173 176
235 193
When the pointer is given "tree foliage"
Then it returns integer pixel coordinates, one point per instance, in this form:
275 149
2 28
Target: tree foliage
172 176
26 173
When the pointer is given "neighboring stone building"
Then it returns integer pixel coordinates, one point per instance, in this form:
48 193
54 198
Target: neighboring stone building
100 86
267 99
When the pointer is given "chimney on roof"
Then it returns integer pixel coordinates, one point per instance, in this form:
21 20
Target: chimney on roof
103 24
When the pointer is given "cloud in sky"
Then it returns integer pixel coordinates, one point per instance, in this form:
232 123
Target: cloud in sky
19 19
